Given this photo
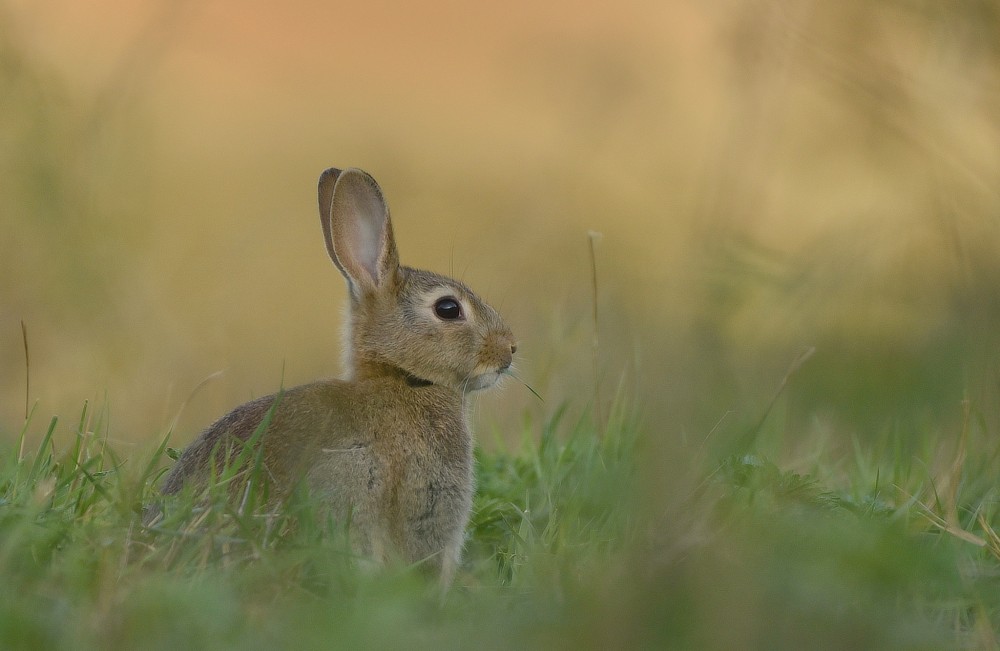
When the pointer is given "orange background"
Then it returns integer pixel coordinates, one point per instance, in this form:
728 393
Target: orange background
766 177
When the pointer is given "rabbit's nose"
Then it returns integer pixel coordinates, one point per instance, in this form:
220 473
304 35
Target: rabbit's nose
513 348
505 358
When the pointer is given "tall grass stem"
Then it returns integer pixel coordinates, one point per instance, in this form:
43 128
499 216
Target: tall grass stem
27 371
593 237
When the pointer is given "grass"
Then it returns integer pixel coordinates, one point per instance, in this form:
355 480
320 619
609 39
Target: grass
576 541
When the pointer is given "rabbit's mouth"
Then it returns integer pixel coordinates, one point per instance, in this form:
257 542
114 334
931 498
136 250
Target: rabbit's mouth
482 381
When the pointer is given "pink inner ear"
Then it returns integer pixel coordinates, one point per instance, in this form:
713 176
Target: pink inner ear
359 219
366 244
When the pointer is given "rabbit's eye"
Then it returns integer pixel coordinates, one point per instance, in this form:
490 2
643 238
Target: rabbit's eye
448 309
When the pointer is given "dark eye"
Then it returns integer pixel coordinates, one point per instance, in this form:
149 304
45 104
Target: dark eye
448 309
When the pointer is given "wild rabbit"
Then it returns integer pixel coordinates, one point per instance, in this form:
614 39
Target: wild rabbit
389 447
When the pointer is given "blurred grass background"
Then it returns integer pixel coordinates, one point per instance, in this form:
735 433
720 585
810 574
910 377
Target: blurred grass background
767 177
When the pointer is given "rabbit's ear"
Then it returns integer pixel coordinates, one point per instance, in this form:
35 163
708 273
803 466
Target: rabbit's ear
327 181
357 229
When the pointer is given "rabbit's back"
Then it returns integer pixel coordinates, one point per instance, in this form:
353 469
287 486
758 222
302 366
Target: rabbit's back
291 420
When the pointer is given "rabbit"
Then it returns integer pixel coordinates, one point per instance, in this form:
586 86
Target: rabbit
389 447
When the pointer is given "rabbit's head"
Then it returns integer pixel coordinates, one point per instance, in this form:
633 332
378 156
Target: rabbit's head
431 328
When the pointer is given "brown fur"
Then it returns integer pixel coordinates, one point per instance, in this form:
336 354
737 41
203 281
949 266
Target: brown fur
390 446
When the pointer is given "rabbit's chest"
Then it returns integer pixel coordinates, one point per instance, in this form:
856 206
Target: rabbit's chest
429 487
409 485
432 468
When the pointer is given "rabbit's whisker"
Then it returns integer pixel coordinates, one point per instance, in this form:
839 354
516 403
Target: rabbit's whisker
508 372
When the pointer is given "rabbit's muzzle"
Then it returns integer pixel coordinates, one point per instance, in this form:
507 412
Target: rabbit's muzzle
495 359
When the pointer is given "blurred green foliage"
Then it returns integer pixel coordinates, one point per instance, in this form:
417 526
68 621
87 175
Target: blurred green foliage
565 550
